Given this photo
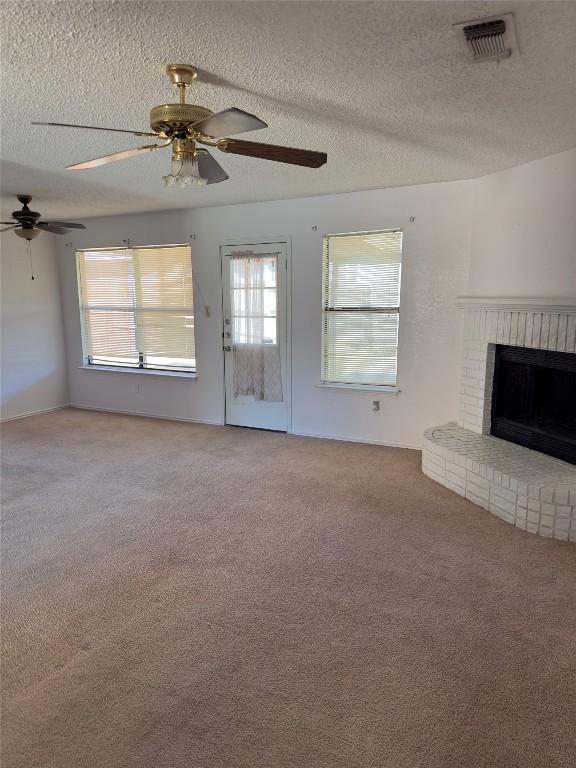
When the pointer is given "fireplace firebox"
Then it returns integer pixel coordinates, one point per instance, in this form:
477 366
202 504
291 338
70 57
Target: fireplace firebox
534 400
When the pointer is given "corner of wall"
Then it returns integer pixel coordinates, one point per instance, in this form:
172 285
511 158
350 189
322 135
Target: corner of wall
523 231
32 352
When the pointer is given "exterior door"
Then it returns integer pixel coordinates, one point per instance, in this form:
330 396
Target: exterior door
254 334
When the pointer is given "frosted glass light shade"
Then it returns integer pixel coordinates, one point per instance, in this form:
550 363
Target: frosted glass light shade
28 234
184 171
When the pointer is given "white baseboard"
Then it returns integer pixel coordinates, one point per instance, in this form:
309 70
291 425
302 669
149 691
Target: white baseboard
358 440
34 413
145 415
212 423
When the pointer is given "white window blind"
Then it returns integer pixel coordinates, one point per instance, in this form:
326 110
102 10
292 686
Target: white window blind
360 307
136 307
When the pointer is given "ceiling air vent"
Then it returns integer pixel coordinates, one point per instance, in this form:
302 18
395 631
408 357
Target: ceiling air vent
489 39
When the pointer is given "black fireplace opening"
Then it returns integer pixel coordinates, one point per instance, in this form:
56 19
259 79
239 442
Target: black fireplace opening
534 400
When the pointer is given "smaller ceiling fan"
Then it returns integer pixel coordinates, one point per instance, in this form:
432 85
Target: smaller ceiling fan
27 223
183 126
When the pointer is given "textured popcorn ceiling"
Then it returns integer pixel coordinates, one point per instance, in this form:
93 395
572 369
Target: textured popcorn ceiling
385 88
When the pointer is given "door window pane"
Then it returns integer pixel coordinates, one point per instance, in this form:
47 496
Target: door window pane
253 297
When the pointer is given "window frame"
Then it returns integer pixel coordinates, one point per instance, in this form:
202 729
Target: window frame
140 367
395 309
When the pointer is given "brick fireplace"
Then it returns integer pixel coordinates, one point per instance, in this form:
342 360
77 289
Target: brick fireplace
527 488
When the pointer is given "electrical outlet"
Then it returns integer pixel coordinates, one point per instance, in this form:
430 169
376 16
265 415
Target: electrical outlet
208 311
375 405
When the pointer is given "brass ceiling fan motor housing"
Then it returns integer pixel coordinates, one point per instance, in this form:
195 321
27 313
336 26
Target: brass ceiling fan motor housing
177 117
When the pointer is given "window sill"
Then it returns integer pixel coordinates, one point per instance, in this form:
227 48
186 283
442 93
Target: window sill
141 372
384 390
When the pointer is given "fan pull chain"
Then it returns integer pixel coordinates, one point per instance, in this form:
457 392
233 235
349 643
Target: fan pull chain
29 249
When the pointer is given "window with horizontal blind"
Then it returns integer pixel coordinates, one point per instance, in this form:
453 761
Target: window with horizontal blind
360 307
136 307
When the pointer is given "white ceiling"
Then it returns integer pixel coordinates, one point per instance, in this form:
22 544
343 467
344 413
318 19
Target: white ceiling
385 88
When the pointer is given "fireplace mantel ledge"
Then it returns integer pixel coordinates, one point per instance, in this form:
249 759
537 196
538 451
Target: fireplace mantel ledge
565 306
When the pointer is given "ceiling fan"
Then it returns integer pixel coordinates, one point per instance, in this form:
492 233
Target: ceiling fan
184 126
27 223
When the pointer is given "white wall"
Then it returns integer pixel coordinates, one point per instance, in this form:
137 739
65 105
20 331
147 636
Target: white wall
435 271
514 229
34 375
524 231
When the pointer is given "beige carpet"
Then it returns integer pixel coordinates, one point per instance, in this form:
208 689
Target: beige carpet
187 596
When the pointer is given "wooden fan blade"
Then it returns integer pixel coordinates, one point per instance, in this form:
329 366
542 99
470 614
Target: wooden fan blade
228 123
290 155
94 128
68 224
6 229
210 169
116 156
50 228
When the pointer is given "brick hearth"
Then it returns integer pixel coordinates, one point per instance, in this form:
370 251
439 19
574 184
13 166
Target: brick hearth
535 492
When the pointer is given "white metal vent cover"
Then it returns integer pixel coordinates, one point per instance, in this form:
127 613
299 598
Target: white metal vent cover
489 39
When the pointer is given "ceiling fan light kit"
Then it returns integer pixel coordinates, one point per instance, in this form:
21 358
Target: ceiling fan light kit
184 126
28 233
184 171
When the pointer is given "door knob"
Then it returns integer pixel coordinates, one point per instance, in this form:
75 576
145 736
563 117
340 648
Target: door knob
227 349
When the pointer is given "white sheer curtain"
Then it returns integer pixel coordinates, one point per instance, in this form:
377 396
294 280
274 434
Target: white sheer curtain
256 354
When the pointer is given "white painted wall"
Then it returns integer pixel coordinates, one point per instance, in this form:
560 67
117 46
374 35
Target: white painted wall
515 230
33 362
435 271
524 231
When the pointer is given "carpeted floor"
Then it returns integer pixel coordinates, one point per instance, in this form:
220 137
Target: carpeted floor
187 596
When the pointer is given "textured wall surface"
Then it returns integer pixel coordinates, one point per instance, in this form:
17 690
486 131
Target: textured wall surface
435 269
34 376
524 231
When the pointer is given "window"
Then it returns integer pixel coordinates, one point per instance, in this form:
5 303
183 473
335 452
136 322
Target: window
360 307
136 307
253 284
